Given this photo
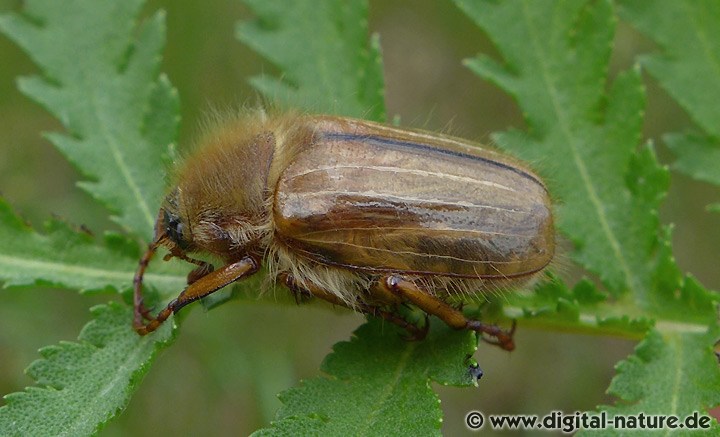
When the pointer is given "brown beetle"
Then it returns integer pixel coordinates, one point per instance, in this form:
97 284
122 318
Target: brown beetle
356 213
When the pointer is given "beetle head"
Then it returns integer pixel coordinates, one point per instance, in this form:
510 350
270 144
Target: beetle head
172 230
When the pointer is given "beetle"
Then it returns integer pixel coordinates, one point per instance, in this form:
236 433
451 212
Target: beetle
356 213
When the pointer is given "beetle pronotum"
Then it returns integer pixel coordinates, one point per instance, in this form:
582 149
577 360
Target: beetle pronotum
356 213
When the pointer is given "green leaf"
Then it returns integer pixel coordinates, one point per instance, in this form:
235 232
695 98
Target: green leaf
557 74
669 374
327 62
379 384
585 139
83 384
688 35
582 308
680 297
64 257
609 190
688 68
121 116
109 97
698 156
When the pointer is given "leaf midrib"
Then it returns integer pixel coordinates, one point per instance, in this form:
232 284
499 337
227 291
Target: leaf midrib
592 320
572 144
388 389
123 370
119 159
91 273
677 380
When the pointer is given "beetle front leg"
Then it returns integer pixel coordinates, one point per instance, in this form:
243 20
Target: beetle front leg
200 288
451 316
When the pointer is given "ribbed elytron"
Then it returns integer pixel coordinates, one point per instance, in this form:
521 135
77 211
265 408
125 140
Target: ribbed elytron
355 213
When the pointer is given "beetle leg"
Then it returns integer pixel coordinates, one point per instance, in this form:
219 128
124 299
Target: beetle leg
202 287
200 271
454 318
503 339
315 291
141 311
300 294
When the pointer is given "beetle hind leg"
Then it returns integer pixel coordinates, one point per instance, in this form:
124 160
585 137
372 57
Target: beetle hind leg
311 290
454 318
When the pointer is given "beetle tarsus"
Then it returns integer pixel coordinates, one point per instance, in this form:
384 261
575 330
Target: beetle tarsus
155 323
500 337
145 312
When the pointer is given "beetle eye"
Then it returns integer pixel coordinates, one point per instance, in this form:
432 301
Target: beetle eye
175 229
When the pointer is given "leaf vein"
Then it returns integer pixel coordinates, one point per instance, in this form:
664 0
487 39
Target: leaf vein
29 264
122 166
389 388
572 143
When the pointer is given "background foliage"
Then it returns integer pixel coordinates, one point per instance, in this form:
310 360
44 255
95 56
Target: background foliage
224 373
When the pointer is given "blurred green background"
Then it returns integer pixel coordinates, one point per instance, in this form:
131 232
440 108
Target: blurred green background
222 375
